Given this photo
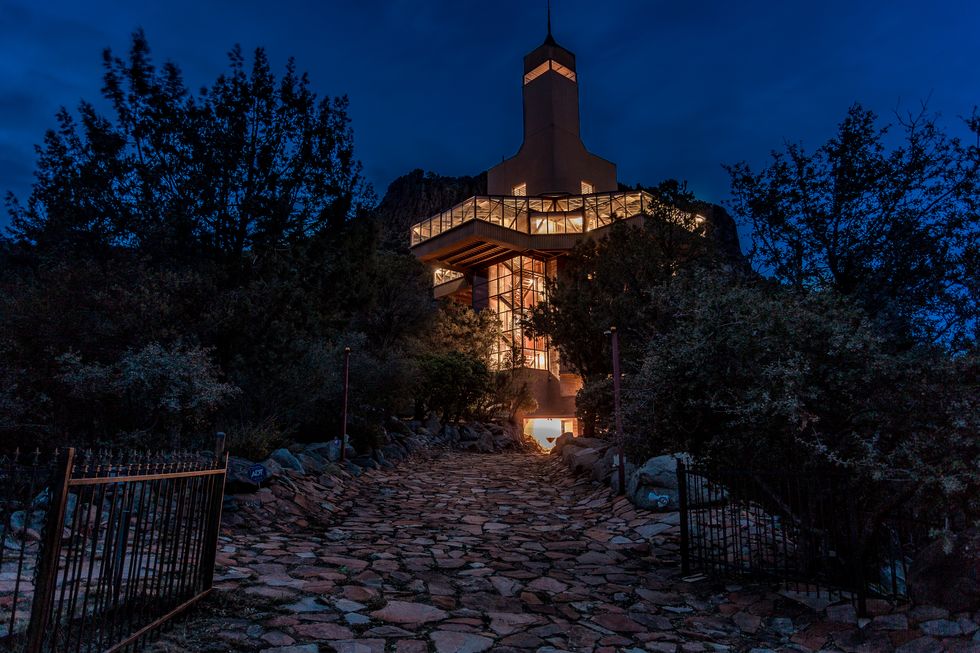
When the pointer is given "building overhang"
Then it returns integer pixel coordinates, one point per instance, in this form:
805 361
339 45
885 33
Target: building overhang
477 243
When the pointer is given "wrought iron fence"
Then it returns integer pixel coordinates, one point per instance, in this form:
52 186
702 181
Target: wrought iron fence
100 549
806 532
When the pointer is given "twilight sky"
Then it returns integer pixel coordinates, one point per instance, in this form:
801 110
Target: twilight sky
668 89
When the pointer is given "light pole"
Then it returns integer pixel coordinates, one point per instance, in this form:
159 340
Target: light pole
343 417
619 417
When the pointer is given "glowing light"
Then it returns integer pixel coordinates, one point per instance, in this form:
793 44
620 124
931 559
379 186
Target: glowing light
545 430
552 65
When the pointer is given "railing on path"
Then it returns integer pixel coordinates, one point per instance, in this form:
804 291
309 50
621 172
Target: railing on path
99 550
805 532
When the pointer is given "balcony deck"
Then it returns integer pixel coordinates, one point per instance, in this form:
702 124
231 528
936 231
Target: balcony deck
486 229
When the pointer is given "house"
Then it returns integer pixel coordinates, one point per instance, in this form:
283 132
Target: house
496 250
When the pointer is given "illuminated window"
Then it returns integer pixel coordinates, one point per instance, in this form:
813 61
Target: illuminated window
516 286
537 72
587 188
563 70
520 190
553 65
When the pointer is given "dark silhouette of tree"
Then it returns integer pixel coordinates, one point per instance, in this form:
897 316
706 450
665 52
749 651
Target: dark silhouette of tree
893 227
218 245
251 164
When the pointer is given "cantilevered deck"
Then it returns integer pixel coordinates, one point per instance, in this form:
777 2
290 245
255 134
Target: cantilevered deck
488 228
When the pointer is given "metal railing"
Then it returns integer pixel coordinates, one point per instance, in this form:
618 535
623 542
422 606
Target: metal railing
803 531
113 546
550 215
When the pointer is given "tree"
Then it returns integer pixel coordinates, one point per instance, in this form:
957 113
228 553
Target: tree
250 165
607 281
453 383
894 227
225 233
460 328
756 376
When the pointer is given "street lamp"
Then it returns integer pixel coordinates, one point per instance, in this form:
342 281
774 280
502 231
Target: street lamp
619 418
343 418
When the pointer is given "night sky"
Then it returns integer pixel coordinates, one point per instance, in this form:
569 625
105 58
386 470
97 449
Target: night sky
668 89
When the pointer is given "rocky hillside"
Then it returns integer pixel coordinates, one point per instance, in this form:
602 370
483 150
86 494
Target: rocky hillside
420 195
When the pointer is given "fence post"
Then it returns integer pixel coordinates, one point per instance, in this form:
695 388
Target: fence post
214 528
682 500
46 575
857 556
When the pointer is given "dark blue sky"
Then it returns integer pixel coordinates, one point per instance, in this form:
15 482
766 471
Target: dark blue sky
669 89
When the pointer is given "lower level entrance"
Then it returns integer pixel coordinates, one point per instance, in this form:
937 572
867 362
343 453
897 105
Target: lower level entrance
545 430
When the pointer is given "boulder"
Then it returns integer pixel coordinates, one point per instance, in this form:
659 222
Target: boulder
450 433
561 441
396 426
602 469
288 460
352 469
583 460
365 462
614 477
330 451
272 468
237 481
654 485
21 521
948 576
432 423
312 463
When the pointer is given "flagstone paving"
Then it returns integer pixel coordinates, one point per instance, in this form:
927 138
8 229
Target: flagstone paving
506 552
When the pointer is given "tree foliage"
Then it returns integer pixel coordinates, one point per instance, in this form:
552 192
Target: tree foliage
606 281
885 214
211 249
451 383
755 376
251 164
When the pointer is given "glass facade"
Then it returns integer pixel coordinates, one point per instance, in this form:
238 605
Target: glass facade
544 215
513 288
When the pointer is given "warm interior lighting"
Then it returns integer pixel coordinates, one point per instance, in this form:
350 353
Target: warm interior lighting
444 275
520 190
545 430
552 65
587 188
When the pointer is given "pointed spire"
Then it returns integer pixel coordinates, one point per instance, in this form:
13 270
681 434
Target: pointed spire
550 40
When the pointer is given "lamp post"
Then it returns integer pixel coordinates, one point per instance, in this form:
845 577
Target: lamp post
619 417
343 415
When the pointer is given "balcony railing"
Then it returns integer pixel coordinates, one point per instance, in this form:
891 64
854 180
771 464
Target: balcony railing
444 275
572 214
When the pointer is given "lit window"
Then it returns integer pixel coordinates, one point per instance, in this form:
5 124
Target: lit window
550 64
537 72
520 190
587 188
563 70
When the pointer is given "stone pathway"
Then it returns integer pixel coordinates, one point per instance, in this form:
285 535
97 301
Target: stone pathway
508 552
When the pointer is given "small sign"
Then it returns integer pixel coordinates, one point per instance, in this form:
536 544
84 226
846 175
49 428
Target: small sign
257 474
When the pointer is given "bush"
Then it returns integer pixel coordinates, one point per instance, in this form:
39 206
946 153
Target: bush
254 441
756 376
452 383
